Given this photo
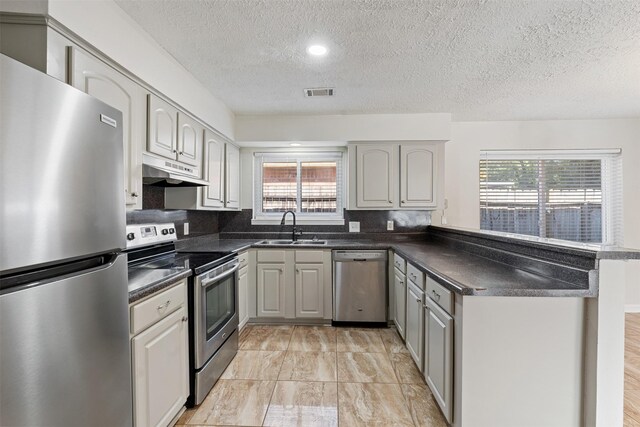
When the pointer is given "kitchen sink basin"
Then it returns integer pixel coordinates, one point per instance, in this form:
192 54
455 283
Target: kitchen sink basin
291 242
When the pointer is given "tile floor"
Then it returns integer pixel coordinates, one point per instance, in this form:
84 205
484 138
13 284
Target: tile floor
318 376
632 370
323 376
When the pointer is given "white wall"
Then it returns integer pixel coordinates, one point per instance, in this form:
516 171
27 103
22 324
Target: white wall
103 24
468 138
349 127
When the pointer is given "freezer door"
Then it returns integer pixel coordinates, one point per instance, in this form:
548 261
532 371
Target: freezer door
65 351
61 169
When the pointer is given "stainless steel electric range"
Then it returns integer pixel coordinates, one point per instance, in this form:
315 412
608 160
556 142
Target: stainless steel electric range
213 302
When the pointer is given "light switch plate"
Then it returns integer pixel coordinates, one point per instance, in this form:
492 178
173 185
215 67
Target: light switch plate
354 226
186 229
390 225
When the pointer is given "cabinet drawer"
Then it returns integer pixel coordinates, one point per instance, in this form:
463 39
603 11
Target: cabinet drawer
157 307
415 275
271 255
309 256
243 259
440 295
399 263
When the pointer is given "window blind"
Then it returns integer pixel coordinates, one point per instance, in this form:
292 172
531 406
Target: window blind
573 195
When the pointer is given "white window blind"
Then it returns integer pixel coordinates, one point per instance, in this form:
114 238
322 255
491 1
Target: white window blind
310 184
573 195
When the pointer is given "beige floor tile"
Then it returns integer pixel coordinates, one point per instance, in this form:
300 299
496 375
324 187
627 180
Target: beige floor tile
392 341
308 366
369 404
632 373
186 416
632 348
405 369
313 338
360 341
307 404
365 368
423 408
254 365
235 402
632 404
272 338
629 421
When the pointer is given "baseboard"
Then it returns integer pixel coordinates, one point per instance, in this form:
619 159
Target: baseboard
632 308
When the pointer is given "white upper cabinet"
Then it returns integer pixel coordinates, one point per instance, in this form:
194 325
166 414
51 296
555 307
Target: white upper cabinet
418 171
395 176
163 126
190 135
98 79
375 176
214 159
233 177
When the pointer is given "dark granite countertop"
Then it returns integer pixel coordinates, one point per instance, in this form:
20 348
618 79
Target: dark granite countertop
144 281
461 272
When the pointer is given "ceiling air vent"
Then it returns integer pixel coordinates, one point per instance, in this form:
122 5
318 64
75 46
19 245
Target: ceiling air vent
319 91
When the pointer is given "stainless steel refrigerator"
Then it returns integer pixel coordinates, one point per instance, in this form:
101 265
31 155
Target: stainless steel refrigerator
64 341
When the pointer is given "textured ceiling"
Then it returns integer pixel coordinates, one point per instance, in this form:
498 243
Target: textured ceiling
479 60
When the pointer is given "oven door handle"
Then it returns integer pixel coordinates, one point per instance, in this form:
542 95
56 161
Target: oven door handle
207 282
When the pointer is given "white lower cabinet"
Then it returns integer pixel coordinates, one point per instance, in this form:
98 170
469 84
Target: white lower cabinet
438 367
243 287
414 330
271 290
400 297
309 290
160 362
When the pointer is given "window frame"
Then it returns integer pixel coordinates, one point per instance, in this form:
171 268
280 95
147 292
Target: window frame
611 187
309 218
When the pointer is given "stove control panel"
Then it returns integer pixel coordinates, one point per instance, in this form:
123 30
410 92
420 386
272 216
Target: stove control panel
150 234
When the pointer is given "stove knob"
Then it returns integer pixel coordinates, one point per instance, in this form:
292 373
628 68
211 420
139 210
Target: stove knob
172 231
131 236
165 231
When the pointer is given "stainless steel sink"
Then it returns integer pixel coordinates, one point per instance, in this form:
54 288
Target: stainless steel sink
291 242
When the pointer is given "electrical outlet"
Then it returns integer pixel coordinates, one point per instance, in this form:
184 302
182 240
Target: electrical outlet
390 225
444 220
186 229
354 227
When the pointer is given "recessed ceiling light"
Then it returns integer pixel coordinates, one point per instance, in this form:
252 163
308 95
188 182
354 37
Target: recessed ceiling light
294 144
317 50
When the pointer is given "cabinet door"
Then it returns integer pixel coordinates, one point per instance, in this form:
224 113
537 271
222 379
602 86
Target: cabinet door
417 176
271 283
400 295
439 359
375 176
233 177
96 78
310 290
213 194
161 371
190 136
243 283
414 327
162 132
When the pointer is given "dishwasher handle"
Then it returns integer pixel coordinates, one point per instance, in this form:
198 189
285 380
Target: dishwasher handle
360 256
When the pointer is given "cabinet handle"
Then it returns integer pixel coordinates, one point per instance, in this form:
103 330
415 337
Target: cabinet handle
134 194
185 318
436 294
298 270
403 201
390 201
174 151
401 282
418 300
164 306
180 153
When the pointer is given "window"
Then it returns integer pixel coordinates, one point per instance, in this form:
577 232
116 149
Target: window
573 195
310 184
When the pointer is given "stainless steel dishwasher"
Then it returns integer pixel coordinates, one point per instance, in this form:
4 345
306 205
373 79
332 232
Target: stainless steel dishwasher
360 286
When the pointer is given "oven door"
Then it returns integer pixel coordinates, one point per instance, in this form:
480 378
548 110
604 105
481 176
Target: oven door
216 312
